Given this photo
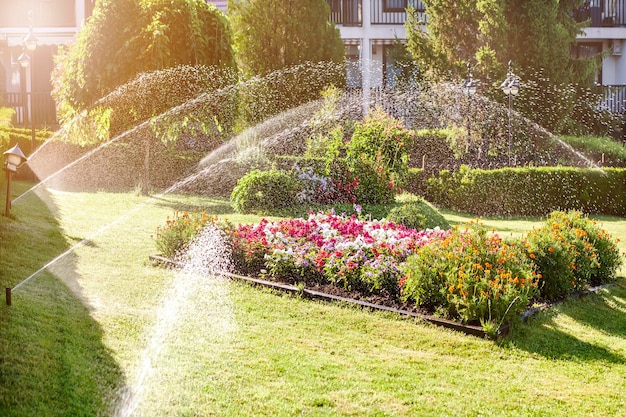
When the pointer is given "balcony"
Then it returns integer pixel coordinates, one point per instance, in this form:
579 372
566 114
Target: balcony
614 99
346 12
382 12
393 12
602 13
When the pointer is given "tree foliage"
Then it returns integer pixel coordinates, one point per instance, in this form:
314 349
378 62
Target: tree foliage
126 37
469 31
536 35
275 34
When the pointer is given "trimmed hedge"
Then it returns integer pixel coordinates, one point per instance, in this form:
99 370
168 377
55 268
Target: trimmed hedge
262 192
529 191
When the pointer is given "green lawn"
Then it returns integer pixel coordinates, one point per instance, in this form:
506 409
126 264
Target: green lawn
103 317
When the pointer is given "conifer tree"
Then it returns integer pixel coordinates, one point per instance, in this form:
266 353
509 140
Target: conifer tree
275 34
537 36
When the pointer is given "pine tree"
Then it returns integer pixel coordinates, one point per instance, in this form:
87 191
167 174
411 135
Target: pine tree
275 34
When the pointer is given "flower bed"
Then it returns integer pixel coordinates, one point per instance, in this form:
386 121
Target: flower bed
329 249
367 260
467 274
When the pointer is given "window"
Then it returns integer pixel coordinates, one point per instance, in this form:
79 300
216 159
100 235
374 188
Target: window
353 67
395 5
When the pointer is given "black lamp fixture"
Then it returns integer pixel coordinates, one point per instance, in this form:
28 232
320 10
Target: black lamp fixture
14 158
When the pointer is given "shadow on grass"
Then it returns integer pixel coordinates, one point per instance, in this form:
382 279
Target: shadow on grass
603 312
217 205
53 360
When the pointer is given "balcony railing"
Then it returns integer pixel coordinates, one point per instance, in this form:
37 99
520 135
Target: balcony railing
382 12
346 12
602 13
385 13
42 106
614 99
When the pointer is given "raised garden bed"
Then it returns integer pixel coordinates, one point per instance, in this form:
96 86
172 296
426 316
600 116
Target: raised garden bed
332 293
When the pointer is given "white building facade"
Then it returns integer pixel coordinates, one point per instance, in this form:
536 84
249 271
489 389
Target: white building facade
369 28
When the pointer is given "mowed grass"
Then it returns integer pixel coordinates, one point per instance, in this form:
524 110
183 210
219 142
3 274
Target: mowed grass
102 319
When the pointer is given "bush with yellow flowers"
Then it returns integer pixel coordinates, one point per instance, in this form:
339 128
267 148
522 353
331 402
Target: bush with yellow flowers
174 237
571 253
473 276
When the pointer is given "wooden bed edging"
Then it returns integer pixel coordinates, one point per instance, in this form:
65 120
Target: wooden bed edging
468 329
503 330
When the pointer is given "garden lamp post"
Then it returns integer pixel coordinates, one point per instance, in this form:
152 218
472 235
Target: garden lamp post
510 87
29 45
14 158
469 88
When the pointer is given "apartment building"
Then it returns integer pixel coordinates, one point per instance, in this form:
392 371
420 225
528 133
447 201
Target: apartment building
606 34
368 28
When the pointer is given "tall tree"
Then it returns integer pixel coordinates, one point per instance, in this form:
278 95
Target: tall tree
536 35
465 31
126 37
274 34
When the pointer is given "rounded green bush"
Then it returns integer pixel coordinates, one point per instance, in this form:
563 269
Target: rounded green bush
418 214
377 156
571 253
261 192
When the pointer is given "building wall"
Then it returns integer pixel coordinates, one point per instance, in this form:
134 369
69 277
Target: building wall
54 23
613 62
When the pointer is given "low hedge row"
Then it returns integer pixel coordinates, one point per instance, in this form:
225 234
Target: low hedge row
525 191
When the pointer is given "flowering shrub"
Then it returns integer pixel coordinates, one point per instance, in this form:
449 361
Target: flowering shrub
472 275
173 238
571 253
377 155
346 251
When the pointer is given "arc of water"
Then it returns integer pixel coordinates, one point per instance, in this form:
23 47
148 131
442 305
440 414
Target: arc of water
197 100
